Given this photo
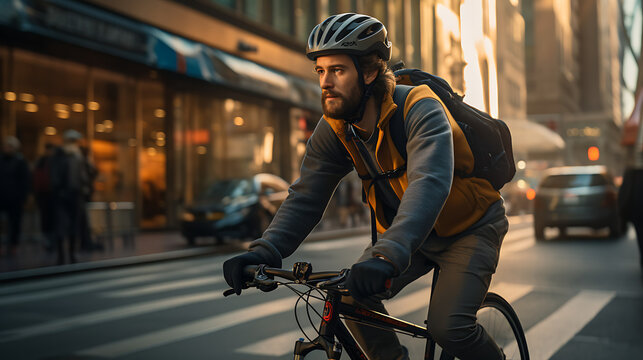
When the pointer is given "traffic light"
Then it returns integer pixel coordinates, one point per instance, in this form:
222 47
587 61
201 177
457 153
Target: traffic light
593 153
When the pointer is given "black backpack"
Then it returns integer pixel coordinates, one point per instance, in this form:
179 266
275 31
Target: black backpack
488 138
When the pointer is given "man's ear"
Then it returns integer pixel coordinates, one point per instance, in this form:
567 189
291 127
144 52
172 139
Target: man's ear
370 77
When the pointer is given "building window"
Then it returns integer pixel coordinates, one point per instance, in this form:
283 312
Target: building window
257 10
282 16
231 4
341 6
305 18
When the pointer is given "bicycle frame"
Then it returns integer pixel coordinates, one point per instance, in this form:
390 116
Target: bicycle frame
332 327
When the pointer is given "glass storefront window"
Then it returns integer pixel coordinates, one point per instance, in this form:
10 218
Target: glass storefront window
49 98
153 155
224 138
112 117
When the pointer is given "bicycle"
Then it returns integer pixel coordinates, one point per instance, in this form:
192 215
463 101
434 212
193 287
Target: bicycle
496 315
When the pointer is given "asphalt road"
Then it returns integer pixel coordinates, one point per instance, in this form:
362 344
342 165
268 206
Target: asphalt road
578 298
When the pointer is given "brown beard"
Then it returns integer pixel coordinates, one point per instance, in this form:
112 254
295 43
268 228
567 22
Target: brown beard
348 106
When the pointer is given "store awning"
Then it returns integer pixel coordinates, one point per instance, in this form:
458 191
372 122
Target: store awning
631 126
100 30
530 137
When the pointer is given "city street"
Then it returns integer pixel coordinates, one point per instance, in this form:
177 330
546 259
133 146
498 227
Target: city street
578 298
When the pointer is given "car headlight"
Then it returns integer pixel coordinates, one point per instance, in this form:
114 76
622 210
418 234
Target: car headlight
187 216
214 215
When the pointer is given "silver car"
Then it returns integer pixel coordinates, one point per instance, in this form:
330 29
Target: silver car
583 196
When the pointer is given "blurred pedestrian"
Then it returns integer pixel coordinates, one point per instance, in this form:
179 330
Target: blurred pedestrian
630 200
14 188
68 179
43 194
89 176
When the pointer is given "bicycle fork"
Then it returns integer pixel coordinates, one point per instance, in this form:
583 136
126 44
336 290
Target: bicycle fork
330 325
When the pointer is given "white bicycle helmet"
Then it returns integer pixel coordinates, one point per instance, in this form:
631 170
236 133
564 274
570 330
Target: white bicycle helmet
352 34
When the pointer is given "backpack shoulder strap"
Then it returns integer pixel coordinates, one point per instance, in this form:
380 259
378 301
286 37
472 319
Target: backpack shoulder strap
396 124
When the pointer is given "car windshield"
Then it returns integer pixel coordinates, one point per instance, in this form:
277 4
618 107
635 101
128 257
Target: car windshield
574 180
229 189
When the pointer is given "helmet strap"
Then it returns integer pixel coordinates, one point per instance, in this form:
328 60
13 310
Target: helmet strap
367 91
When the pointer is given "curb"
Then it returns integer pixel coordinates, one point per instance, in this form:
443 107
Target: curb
47 271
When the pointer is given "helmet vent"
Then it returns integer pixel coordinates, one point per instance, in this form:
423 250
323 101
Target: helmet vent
348 29
322 28
370 31
336 25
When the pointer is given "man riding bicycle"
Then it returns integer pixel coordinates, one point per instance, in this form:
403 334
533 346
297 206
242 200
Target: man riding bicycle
425 213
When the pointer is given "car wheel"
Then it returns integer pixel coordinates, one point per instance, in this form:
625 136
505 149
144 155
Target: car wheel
539 230
191 240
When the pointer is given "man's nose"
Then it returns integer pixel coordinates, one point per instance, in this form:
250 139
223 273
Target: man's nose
325 82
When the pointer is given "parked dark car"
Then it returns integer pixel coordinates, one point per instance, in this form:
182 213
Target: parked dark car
576 196
238 208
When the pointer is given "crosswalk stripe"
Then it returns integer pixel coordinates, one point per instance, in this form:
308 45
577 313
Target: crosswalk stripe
282 344
548 336
168 286
517 246
102 316
74 279
512 235
70 290
189 330
511 291
515 235
359 241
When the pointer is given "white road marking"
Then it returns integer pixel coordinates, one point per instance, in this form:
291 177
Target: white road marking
362 241
167 286
189 330
548 336
102 316
87 287
517 246
75 279
519 234
358 241
511 291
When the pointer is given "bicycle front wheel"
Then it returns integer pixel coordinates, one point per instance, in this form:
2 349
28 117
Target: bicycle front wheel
500 321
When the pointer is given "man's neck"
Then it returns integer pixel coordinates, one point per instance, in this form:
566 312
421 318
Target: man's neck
366 126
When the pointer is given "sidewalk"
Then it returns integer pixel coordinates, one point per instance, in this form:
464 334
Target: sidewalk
32 260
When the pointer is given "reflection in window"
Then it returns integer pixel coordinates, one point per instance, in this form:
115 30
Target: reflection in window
44 109
112 113
153 156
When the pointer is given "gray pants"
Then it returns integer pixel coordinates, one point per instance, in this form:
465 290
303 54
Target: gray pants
466 264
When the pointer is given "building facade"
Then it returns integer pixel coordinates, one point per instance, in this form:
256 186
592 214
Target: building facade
172 95
573 76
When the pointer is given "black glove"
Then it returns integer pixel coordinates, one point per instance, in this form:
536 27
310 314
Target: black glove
233 269
369 277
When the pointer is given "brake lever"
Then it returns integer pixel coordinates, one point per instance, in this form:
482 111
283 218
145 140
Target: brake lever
337 283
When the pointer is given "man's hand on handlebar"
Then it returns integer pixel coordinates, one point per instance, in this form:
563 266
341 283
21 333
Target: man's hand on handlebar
369 277
233 269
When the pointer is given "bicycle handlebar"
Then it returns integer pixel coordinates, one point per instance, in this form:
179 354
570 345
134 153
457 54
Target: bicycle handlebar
301 273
